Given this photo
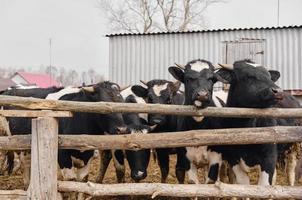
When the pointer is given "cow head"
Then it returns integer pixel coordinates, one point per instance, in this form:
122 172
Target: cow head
198 76
107 92
157 92
251 85
139 160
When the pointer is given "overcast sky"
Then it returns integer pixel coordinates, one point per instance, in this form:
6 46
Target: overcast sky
77 29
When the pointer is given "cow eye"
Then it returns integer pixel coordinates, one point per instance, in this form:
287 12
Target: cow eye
150 98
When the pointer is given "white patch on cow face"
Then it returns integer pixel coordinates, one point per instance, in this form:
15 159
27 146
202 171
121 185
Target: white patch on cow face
140 173
193 174
197 155
67 90
241 176
198 66
263 178
127 92
158 88
253 64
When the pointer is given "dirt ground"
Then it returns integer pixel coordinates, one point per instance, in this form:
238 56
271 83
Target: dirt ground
16 182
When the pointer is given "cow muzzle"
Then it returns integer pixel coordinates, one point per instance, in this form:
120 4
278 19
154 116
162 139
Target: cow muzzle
200 98
138 175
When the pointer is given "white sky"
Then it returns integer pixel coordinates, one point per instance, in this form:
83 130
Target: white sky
77 29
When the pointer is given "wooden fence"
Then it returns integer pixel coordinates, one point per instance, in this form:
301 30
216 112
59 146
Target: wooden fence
45 141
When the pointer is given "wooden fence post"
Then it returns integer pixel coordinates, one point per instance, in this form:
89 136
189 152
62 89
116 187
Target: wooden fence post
44 159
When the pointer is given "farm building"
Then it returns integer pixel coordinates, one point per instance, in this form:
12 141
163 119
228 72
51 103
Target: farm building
148 56
38 80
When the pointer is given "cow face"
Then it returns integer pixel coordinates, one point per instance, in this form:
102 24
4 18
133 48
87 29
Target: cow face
198 77
108 92
139 160
157 92
251 86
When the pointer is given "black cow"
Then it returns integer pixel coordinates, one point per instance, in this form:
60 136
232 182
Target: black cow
250 87
198 77
137 123
163 92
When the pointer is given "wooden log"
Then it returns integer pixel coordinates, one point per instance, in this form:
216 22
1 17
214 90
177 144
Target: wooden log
109 107
181 190
278 134
44 159
34 113
15 142
13 195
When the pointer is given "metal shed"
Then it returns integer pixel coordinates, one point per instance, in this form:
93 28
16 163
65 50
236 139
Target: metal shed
148 56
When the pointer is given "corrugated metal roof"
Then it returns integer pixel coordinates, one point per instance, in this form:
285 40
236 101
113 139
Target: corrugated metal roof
206 30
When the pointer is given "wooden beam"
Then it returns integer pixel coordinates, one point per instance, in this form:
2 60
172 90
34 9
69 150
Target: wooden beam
181 190
13 195
109 107
279 134
44 159
34 113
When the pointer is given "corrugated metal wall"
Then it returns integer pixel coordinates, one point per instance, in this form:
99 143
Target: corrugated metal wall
135 57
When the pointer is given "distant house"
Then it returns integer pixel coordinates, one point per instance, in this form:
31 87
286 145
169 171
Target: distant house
6 83
39 80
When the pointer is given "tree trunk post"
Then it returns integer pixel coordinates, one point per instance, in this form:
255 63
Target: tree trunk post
44 158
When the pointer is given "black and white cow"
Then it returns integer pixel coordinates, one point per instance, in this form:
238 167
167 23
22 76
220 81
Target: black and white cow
163 92
198 77
138 160
250 87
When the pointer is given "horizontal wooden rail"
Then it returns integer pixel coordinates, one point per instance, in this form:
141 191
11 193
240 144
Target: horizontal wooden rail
174 190
107 107
278 134
34 113
13 194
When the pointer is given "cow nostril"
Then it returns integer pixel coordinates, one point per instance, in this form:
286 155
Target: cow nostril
276 90
202 95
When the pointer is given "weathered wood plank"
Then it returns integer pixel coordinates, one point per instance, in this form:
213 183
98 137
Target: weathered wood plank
109 107
181 190
44 158
278 134
13 195
34 113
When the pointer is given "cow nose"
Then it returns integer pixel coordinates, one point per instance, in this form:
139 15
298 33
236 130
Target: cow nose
277 90
138 175
203 95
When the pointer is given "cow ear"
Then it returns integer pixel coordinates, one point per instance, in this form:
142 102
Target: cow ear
175 86
177 73
226 75
275 75
139 91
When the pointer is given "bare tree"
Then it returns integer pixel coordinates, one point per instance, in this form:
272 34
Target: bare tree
143 16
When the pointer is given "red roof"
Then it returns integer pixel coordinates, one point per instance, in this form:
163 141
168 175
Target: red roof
41 80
